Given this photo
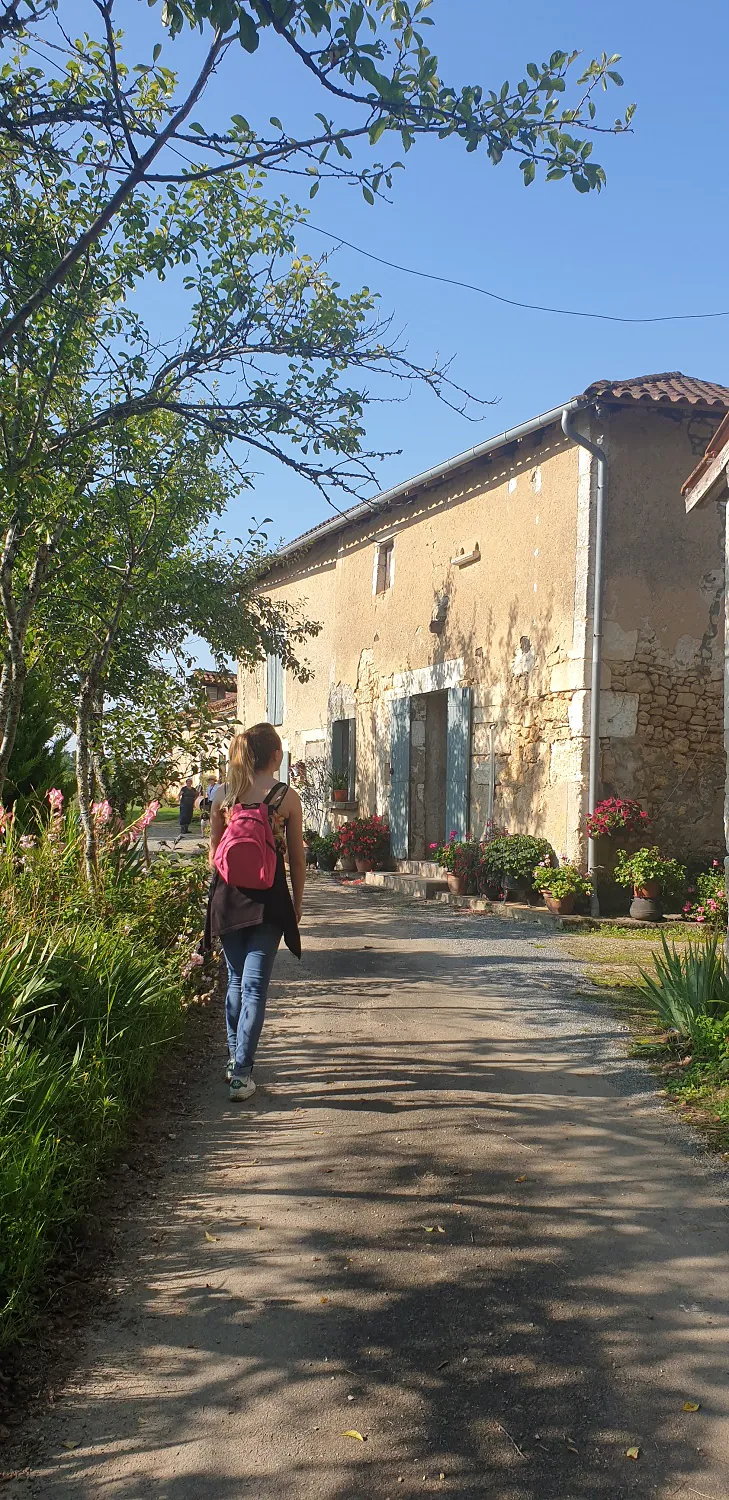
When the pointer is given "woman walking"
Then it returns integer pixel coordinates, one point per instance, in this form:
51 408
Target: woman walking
251 922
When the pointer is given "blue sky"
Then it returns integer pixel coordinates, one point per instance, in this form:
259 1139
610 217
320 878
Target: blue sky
653 242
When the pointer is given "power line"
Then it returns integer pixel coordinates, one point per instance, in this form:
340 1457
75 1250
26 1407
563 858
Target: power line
468 286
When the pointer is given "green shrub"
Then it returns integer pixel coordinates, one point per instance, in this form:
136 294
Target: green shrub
707 898
93 986
82 1023
565 880
516 855
688 986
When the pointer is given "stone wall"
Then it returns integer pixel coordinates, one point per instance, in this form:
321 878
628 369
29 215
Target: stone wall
674 763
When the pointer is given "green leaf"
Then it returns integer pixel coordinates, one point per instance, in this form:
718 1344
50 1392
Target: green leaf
156 52
247 32
368 196
199 129
378 129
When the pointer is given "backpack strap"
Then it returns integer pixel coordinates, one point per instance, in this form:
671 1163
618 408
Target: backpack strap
276 795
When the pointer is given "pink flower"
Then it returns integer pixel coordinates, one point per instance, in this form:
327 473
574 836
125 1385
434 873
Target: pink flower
716 864
55 798
27 841
102 812
197 960
700 916
3 819
687 907
149 814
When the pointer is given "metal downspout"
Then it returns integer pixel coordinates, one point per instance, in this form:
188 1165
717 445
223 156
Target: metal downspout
568 427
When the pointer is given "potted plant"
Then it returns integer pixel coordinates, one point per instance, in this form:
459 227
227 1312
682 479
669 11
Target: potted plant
617 823
340 786
462 860
512 860
652 876
369 841
560 886
310 838
326 851
344 837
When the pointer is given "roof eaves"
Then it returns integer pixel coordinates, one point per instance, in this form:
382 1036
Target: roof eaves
710 478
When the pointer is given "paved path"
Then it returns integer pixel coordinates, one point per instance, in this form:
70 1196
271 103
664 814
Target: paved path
453 1220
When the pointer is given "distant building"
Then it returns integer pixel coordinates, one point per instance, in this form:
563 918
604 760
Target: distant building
451 677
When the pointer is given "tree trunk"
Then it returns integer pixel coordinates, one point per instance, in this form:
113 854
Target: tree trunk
101 769
84 770
18 614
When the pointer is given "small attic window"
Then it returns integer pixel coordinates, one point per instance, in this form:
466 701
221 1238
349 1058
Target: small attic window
384 566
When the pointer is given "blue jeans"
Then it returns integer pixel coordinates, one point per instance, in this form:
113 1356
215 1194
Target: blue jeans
250 953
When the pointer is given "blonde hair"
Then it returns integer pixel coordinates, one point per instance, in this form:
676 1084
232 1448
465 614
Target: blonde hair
249 752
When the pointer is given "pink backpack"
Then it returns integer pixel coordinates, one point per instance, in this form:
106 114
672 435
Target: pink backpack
246 854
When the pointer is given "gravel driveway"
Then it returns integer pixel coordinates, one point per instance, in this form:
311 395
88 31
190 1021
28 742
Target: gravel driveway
453 1220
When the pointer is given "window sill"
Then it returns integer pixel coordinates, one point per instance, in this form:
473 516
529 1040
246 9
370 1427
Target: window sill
343 807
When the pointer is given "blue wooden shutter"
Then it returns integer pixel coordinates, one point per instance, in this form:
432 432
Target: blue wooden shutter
352 793
400 778
285 771
274 689
458 755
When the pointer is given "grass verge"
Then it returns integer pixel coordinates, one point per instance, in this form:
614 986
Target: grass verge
694 1077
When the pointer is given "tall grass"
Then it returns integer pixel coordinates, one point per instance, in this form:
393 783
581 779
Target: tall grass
92 989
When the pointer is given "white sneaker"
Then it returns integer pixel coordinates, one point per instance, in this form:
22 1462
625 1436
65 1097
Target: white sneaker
241 1088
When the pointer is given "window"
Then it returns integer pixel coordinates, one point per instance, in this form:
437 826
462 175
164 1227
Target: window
344 762
384 566
274 689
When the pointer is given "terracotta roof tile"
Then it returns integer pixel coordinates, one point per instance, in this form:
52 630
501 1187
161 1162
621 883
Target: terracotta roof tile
671 388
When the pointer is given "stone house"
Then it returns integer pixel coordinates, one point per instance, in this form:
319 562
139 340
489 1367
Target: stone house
451 675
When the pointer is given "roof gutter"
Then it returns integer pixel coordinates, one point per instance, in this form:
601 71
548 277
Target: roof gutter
370 508
569 416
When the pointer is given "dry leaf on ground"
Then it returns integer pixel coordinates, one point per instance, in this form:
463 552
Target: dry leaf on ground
692 1406
211 1238
356 1435
632 1453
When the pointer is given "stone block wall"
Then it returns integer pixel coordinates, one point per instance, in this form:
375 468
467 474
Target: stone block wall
674 763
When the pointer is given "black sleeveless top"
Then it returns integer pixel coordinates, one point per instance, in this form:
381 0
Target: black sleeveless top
230 907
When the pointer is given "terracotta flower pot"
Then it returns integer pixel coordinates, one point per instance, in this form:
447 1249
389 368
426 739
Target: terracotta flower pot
560 906
363 865
457 884
650 891
340 794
